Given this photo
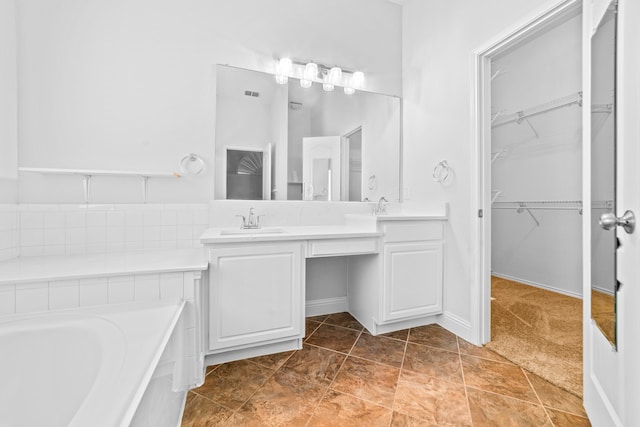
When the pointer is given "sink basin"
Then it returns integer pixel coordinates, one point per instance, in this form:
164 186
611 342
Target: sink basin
240 231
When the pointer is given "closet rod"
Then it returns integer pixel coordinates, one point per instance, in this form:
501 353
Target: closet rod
520 116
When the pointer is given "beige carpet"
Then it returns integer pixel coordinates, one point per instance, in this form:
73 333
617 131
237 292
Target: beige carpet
539 330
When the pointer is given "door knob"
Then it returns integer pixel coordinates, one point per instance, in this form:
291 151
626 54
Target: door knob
626 221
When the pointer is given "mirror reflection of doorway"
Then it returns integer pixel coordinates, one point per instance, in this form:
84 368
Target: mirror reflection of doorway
352 152
244 174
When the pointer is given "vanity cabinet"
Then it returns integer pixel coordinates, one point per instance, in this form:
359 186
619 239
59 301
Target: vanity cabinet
402 287
256 299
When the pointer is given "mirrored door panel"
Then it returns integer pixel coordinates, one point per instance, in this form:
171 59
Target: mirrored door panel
604 242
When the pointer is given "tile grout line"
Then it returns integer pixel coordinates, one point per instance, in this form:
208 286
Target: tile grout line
464 381
404 354
537 396
334 377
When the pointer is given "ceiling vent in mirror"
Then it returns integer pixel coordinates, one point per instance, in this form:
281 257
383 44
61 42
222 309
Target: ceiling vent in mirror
252 93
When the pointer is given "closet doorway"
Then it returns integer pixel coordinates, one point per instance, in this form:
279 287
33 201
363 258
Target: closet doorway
530 156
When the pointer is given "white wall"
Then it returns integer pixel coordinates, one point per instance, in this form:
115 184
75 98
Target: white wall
8 103
546 167
131 84
438 39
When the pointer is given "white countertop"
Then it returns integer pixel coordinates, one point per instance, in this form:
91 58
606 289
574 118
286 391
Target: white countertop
34 269
213 235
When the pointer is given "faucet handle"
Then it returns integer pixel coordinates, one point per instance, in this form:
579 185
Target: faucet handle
244 221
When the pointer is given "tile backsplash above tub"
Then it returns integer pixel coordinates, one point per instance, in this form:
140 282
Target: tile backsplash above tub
9 232
51 229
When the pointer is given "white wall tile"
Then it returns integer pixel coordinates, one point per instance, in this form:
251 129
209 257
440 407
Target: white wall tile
31 250
75 236
171 285
134 218
114 247
54 219
147 287
169 217
96 219
115 234
152 218
152 233
31 237
133 234
54 236
201 216
32 297
63 296
93 292
75 219
184 232
52 250
30 220
115 218
7 301
185 217
121 289
96 234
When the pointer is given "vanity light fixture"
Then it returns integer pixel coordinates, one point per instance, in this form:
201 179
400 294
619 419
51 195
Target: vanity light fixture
309 74
283 70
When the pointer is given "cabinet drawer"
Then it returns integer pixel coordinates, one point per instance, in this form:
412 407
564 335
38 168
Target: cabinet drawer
337 247
413 231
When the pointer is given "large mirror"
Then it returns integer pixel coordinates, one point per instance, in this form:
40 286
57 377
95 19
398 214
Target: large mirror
603 174
285 142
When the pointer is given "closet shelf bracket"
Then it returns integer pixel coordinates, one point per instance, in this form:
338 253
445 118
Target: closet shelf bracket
523 207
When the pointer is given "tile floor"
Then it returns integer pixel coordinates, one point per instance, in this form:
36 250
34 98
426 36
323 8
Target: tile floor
343 376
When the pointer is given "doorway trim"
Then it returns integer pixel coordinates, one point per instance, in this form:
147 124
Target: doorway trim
481 74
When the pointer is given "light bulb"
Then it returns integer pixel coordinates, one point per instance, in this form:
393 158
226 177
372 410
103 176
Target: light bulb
283 69
310 71
349 90
357 80
335 76
327 87
306 83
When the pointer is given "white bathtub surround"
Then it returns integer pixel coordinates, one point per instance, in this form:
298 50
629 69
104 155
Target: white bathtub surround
50 229
37 284
9 231
102 366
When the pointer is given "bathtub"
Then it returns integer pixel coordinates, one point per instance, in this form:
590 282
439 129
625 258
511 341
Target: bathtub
89 366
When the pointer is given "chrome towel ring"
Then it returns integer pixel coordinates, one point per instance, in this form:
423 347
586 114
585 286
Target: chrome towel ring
441 172
191 164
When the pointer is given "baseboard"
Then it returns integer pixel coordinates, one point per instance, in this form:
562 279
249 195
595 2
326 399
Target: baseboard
320 307
457 325
537 285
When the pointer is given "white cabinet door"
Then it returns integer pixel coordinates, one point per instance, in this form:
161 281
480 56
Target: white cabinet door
412 280
256 294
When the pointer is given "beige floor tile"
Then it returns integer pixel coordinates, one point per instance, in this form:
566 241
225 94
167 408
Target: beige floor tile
201 412
432 400
379 349
433 362
367 380
345 320
231 384
478 351
496 377
333 337
434 336
285 399
555 397
564 419
315 363
272 361
338 409
491 410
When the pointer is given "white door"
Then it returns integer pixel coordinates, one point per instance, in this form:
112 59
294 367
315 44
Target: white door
321 167
612 352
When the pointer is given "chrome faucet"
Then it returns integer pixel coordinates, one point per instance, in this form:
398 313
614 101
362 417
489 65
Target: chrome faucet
253 221
381 209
